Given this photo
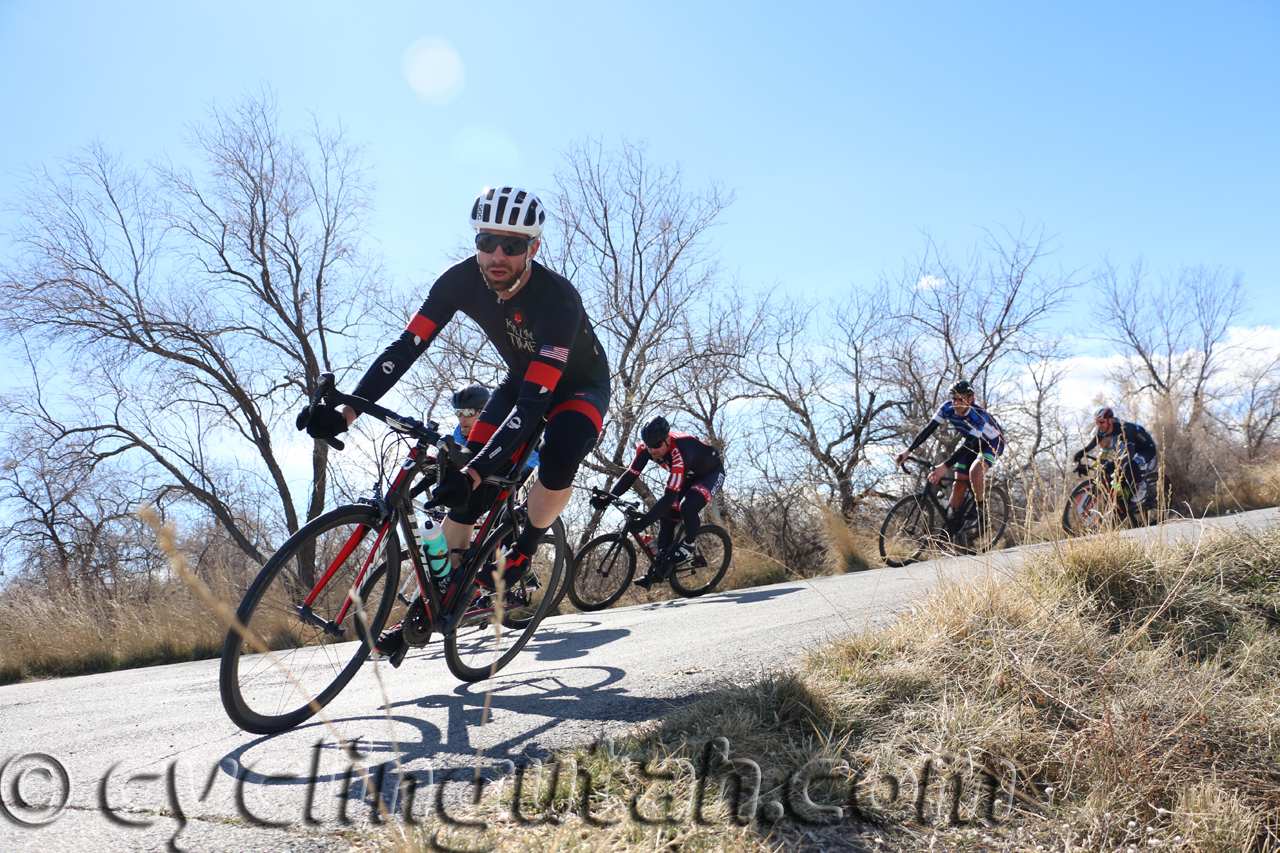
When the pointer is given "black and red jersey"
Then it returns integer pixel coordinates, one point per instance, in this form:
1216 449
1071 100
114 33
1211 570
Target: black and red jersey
688 459
542 333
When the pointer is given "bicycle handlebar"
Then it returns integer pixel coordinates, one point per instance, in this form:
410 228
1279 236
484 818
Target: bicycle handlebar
327 392
625 506
923 463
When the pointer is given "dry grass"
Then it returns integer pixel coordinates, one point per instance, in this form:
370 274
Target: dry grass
1110 697
1250 486
49 634
847 547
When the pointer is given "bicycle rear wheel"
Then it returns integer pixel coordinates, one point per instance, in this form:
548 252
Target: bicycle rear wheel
996 508
907 531
710 560
309 663
601 572
485 641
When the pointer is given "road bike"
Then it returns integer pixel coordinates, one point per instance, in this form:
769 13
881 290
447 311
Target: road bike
914 526
1094 504
309 619
605 566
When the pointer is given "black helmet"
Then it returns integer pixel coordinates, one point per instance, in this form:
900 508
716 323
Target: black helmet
655 431
1103 412
470 397
961 386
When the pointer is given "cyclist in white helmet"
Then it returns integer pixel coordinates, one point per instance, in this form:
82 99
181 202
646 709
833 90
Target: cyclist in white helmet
556 368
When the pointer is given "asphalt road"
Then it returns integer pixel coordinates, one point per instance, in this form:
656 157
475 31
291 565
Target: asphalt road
156 745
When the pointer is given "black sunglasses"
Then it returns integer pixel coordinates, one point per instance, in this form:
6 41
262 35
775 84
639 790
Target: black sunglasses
511 245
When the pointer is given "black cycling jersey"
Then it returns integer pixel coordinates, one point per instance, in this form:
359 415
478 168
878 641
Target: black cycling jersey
688 460
542 333
1127 440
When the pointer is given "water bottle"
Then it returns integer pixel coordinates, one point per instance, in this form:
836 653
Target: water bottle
430 535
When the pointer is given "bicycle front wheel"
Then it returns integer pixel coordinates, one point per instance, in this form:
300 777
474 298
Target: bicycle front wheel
491 635
710 561
601 572
309 657
1084 512
907 531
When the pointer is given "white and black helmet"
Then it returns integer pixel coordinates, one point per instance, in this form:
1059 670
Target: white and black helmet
508 209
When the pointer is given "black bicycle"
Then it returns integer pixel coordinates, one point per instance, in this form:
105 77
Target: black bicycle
605 566
1094 504
914 526
309 619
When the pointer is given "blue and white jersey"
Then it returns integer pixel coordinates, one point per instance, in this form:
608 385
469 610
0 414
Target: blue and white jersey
977 423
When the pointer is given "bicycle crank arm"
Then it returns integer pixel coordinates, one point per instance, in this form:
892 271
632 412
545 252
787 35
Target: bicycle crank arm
327 625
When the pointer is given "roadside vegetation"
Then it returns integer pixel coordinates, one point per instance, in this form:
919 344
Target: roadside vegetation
1110 696
171 321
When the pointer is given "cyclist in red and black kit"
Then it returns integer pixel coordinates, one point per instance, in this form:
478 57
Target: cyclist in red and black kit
697 473
556 368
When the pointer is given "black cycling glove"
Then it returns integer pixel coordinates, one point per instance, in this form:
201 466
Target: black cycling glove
1081 469
635 525
599 501
454 490
323 423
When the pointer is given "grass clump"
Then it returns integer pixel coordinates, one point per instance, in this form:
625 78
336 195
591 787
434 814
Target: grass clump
1110 696
52 634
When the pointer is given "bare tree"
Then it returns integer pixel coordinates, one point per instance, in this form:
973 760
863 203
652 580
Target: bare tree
69 523
634 242
820 378
192 310
980 318
1175 335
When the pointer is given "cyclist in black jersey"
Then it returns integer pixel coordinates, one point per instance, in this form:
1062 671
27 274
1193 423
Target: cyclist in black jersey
1132 456
556 368
697 473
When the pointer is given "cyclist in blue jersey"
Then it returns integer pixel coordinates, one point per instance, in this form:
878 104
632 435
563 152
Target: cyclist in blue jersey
1132 458
982 445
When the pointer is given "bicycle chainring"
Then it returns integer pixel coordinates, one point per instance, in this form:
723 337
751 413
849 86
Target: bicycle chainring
417 624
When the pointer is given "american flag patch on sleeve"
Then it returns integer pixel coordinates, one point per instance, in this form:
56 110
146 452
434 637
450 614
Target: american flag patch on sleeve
557 353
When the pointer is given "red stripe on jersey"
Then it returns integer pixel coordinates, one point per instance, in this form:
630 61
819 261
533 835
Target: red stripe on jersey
580 406
422 327
481 432
677 470
543 374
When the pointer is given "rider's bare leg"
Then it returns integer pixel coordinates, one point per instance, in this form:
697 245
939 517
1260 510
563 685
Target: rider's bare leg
958 489
457 537
545 505
978 477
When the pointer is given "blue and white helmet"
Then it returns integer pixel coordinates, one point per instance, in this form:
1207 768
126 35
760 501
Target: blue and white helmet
508 209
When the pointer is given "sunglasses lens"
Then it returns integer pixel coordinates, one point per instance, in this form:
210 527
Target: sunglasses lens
466 413
510 245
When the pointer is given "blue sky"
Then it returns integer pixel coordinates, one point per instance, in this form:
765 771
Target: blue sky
1127 129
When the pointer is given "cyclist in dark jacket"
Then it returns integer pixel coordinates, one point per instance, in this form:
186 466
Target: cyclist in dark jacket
1132 457
697 473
